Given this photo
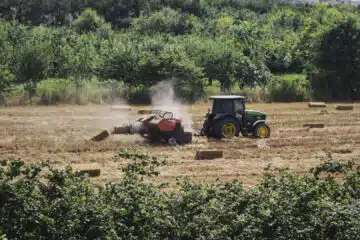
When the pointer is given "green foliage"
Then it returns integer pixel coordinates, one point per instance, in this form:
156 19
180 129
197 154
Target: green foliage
53 91
151 61
89 21
79 55
5 45
331 166
142 163
38 201
5 80
338 62
56 90
139 43
137 95
34 63
167 20
288 88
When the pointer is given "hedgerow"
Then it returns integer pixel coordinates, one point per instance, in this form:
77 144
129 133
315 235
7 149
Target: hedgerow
38 201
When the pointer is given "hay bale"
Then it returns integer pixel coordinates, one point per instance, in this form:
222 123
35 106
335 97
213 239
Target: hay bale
101 136
324 112
150 112
209 154
144 112
317 104
121 108
91 172
314 125
122 130
344 107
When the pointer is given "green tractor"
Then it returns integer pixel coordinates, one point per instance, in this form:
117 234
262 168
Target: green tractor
229 118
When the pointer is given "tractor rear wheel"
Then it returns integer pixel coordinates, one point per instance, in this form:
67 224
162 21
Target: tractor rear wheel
226 128
184 138
179 139
261 130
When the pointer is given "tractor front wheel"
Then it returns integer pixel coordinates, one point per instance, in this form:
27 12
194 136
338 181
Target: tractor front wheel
261 130
226 128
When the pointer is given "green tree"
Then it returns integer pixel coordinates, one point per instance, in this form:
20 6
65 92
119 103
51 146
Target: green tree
338 63
222 60
6 78
6 46
90 21
81 59
167 20
121 61
33 63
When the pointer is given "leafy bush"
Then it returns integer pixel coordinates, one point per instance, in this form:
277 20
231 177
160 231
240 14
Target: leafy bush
167 20
56 90
38 201
189 91
338 63
288 88
5 82
89 21
33 62
53 91
253 94
138 95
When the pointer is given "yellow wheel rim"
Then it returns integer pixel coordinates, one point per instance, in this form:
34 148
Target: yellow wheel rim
229 130
262 132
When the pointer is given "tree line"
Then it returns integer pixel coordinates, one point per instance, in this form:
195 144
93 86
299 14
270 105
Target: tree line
138 43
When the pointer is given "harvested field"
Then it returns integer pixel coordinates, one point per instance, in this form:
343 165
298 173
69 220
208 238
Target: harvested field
60 134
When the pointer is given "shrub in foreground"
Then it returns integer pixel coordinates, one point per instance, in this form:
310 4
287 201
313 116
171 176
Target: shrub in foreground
40 202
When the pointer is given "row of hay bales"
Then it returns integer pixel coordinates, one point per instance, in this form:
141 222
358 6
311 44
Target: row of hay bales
200 155
323 105
324 111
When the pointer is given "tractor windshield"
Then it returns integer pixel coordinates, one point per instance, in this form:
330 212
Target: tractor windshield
222 106
239 106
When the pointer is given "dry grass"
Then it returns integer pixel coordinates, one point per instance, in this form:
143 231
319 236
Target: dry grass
60 134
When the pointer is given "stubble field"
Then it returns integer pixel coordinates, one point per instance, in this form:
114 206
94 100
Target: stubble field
60 134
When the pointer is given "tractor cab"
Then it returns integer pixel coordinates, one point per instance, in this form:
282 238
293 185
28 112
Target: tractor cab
228 105
229 117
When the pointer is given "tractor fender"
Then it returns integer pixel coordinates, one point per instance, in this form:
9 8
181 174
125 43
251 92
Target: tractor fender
257 122
219 117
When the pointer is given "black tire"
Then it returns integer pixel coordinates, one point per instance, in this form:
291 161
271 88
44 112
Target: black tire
219 124
257 128
245 133
205 129
184 138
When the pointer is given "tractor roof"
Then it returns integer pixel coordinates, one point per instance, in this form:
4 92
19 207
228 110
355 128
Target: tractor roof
231 97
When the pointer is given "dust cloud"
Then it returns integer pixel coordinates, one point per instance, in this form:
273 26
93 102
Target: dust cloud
163 98
115 115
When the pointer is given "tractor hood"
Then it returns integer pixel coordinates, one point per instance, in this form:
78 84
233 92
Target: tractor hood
256 114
